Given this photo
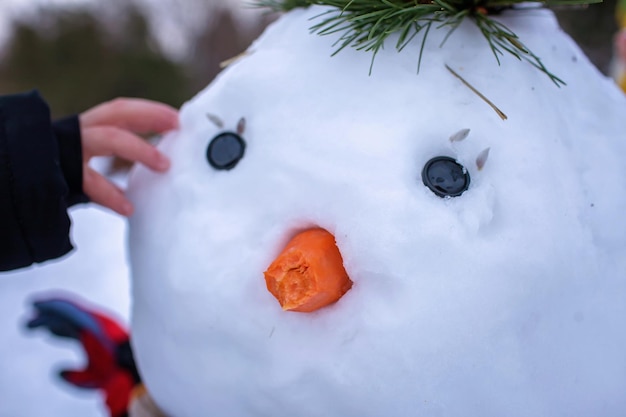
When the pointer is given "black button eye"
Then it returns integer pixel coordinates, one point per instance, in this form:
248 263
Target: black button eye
225 150
445 177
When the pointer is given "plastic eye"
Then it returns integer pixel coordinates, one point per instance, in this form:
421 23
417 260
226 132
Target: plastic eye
225 150
445 177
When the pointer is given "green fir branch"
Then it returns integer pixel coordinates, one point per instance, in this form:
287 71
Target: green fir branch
367 24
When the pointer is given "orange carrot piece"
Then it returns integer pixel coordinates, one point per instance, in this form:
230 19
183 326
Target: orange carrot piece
309 273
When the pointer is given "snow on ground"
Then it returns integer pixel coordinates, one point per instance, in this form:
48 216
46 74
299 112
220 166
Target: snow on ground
97 272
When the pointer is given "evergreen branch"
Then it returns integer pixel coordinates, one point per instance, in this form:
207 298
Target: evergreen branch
367 24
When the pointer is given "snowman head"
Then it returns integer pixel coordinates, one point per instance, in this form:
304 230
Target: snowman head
465 281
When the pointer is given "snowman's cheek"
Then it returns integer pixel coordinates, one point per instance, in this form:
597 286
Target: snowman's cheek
479 209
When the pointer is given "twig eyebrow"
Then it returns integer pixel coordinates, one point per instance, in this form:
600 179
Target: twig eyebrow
216 120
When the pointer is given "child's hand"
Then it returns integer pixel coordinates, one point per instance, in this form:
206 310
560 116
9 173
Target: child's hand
109 130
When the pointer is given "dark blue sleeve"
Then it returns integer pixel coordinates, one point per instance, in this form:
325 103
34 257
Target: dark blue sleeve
40 177
67 134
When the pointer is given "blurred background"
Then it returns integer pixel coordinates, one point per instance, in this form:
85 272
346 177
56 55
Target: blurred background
81 52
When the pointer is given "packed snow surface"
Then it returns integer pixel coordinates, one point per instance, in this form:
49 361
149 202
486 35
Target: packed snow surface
31 360
509 300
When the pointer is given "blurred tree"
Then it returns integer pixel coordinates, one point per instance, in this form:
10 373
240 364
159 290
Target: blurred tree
79 57
76 60
593 27
222 40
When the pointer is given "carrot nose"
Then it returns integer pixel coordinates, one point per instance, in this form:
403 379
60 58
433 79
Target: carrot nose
309 272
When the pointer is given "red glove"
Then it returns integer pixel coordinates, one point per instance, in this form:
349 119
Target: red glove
110 364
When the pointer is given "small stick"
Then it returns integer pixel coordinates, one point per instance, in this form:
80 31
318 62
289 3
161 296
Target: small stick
481 159
460 135
234 59
493 106
215 120
241 126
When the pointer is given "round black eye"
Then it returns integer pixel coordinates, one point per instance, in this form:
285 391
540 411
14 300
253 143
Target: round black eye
225 150
445 177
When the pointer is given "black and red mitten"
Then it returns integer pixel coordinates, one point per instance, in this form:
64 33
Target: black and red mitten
110 365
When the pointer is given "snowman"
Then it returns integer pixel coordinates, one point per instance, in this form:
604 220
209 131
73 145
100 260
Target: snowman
339 242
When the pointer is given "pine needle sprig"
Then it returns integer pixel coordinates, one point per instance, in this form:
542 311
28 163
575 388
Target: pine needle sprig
501 38
367 24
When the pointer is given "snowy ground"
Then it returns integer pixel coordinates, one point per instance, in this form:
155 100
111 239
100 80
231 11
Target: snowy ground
29 360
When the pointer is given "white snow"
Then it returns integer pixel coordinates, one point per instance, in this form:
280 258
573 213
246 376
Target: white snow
509 300
97 273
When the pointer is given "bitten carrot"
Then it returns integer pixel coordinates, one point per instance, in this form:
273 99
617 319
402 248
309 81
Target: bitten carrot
309 273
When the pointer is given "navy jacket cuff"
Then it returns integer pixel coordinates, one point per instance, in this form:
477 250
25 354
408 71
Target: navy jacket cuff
67 132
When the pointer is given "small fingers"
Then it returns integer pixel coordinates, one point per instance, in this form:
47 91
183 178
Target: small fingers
105 193
109 141
137 115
